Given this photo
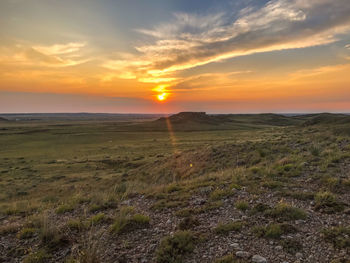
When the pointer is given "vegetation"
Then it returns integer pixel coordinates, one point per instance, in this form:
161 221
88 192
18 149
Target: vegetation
242 205
285 212
229 227
230 259
338 236
174 248
127 221
328 203
40 256
26 233
134 184
274 230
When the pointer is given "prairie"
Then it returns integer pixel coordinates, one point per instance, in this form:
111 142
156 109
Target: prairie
186 188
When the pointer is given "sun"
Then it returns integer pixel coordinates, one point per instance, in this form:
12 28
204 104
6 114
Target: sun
162 96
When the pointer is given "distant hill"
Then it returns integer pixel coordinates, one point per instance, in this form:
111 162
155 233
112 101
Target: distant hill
269 119
195 117
3 119
326 118
194 121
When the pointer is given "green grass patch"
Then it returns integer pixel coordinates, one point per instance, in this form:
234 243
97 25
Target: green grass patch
40 256
273 230
173 249
230 259
338 236
125 222
219 194
286 212
327 202
242 205
225 228
26 233
65 208
98 219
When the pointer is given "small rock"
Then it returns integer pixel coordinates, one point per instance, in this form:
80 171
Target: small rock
235 245
258 259
126 202
299 255
279 248
199 201
242 254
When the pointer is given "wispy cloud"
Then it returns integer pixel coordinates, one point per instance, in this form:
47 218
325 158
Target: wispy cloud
190 40
306 73
60 55
60 49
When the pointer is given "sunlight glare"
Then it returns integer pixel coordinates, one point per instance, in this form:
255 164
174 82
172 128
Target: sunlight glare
161 97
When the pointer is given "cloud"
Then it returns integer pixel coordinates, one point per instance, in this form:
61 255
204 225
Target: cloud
320 71
192 40
60 49
60 55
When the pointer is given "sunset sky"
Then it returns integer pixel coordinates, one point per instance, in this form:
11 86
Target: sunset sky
165 56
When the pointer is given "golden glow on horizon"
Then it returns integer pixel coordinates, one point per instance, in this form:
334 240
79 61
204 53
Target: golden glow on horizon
187 62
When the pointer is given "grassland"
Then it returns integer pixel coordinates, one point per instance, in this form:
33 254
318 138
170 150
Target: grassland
200 189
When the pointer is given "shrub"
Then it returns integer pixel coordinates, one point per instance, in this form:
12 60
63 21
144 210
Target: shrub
97 219
76 224
338 236
315 150
230 259
172 249
34 222
274 230
186 212
40 256
219 194
165 204
51 236
211 206
242 205
173 188
125 223
260 208
103 203
292 246
64 208
9 229
188 223
299 195
229 227
328 203
286 212
26 233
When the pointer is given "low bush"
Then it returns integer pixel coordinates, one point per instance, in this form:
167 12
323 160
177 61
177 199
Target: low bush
173 249
229 227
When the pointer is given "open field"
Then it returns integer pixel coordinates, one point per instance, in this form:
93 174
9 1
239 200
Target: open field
188 188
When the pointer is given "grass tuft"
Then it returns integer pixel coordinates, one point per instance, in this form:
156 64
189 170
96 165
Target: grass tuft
229 227
173 249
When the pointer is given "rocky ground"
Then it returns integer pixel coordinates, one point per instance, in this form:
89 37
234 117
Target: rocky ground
289 205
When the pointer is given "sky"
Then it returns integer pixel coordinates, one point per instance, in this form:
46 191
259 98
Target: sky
166 56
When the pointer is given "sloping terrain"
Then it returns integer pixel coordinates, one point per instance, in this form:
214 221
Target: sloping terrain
197 121
326 119
97 193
